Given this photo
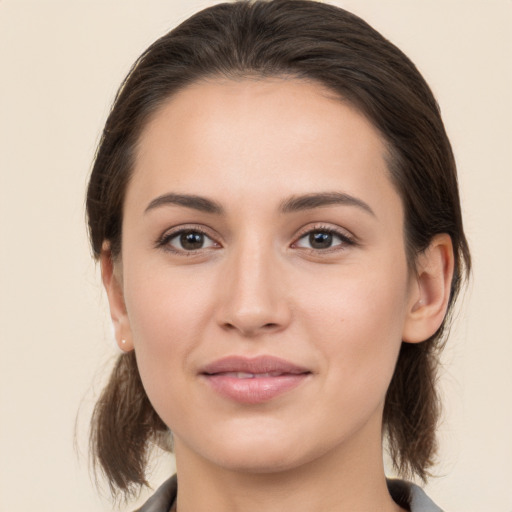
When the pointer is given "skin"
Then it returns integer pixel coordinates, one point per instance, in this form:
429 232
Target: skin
257 286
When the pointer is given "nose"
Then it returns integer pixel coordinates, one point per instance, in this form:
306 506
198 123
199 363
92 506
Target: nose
253 299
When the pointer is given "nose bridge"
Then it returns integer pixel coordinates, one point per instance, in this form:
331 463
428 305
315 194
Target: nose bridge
253 300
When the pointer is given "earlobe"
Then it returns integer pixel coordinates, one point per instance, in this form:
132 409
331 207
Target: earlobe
431 294
112 282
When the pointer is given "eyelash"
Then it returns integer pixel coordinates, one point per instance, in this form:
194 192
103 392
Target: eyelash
163 242
345 239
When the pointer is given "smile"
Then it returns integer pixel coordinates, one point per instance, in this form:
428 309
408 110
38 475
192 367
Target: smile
253 380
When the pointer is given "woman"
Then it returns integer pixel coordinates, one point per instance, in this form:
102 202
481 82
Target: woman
274 205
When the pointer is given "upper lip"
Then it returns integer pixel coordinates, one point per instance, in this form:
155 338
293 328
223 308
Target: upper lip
255 365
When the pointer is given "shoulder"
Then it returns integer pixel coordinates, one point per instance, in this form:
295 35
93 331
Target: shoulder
409 495
163 498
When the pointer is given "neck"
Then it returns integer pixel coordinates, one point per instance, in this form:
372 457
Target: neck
348 478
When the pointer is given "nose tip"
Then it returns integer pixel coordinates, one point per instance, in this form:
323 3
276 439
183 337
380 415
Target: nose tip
254 301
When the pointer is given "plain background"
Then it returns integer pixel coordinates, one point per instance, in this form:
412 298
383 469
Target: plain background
61 62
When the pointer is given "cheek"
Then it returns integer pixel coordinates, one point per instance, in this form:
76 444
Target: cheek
167 318
356 322
166 308
359 299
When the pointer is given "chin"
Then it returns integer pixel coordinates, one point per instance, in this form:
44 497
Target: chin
263 454
261 460
242 451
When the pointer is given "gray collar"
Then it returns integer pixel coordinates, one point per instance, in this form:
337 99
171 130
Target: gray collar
406 494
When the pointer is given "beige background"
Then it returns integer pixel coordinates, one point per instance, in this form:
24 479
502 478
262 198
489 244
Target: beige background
60 64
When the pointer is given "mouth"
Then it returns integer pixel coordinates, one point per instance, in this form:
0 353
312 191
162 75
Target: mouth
253 380
247 375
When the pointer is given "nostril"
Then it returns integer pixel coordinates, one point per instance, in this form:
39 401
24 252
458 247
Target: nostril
250 330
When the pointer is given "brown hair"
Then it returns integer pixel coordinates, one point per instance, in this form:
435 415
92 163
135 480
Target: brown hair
335 48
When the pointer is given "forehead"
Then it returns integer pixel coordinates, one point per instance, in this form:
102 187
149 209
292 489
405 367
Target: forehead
297 111
287 136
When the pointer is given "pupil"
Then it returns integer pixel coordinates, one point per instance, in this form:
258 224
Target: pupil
192 240
320 240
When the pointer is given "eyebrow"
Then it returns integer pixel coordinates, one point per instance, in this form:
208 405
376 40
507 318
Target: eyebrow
293 204
319 200
188 201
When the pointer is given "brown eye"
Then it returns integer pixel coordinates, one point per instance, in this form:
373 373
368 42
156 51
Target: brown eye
188 240
322 239
191 240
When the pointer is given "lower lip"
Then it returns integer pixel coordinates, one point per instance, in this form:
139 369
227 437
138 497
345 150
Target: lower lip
254 390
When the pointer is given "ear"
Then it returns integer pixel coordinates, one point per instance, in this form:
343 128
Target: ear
431 290
112 281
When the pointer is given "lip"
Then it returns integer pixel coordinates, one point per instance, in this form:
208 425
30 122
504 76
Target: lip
253 380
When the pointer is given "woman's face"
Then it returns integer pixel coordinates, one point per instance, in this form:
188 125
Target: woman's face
264 273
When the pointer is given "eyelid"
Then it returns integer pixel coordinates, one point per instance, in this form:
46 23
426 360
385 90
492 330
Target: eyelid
347 238
163 240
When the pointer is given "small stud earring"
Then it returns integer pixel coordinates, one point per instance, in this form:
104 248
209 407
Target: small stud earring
123 342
